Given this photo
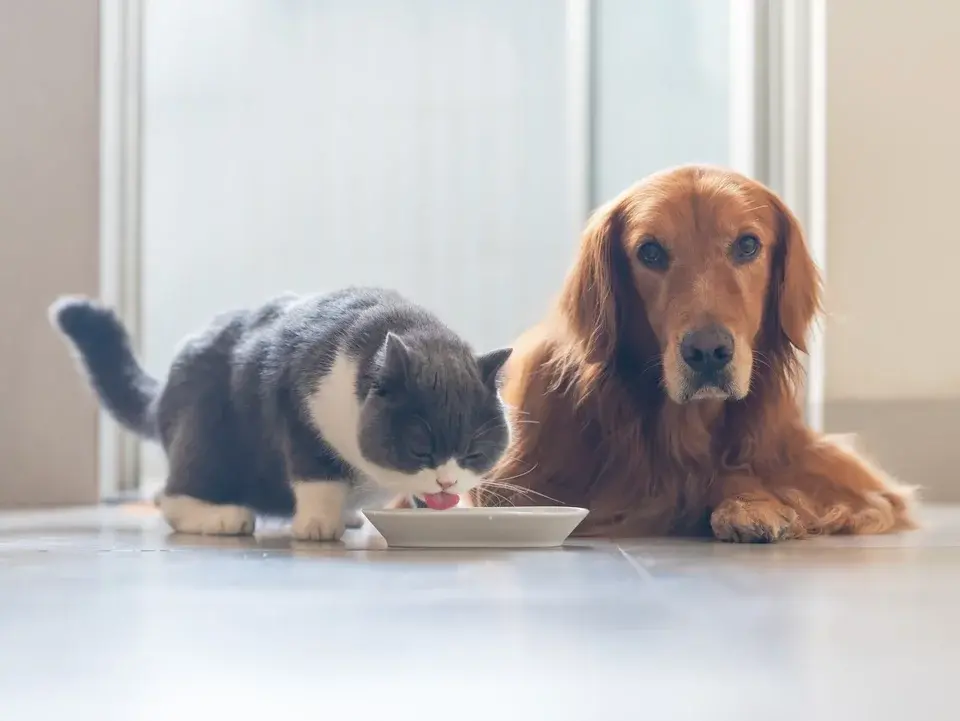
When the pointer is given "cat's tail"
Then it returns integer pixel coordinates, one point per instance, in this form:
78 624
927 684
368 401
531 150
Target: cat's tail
103 344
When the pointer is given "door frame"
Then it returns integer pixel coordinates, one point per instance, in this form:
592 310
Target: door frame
121 99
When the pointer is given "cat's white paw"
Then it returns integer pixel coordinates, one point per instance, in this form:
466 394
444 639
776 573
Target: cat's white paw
319 514
315 528
190 515
353 519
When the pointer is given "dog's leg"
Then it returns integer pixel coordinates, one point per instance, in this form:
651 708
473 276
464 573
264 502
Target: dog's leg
827 488
839 491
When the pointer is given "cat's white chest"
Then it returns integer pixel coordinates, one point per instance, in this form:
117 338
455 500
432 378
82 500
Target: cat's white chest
335 410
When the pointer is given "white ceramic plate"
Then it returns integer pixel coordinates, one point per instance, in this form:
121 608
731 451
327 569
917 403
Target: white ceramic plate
530 527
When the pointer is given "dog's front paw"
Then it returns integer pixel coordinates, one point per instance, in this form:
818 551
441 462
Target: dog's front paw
755 521
318 528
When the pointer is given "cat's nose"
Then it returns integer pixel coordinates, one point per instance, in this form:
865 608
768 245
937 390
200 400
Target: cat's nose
446 485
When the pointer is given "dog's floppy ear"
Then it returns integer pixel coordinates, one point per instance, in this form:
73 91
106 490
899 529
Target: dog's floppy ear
796 281
589 297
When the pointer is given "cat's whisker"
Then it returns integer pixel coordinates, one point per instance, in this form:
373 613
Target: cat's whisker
528 494
514 497
514 409
510 500
499 497
525 422
521 491
491 490
513 478
510 487
493 423
501 423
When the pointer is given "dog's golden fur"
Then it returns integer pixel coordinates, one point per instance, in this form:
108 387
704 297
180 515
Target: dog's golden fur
605 413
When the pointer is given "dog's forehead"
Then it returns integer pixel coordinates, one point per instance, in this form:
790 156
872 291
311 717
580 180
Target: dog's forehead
701 209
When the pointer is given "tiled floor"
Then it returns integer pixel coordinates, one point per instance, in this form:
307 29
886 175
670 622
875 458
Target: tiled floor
105 616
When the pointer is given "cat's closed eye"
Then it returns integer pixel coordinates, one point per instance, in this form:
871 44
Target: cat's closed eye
474 457
424 456
420 442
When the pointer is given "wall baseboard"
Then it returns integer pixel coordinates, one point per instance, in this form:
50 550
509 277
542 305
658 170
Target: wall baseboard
914 440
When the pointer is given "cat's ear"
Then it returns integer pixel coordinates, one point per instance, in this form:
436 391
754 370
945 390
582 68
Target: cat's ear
395 364
491 363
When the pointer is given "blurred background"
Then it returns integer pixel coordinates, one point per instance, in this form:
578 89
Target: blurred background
177 158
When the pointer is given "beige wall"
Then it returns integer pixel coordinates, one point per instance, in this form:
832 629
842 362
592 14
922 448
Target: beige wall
893 120
49 97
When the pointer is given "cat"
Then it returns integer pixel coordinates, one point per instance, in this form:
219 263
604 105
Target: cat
307 407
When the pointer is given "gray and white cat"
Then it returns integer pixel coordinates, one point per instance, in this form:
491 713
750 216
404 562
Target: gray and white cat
305 407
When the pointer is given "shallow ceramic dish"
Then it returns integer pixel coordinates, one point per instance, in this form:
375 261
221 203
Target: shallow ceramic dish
531 527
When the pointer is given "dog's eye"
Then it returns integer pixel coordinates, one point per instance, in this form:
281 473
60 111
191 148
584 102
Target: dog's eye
653 255
746 248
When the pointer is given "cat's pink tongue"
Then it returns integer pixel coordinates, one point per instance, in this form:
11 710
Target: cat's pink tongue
441 501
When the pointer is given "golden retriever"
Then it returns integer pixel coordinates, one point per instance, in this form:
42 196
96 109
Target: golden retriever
662 392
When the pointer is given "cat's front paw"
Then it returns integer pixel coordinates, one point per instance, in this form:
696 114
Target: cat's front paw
318 528
319 514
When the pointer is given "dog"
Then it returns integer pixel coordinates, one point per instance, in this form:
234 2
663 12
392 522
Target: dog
662 391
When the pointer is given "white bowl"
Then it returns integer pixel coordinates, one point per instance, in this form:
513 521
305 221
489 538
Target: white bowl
529 527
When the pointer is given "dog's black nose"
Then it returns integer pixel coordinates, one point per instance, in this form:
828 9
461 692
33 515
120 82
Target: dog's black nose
707 350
